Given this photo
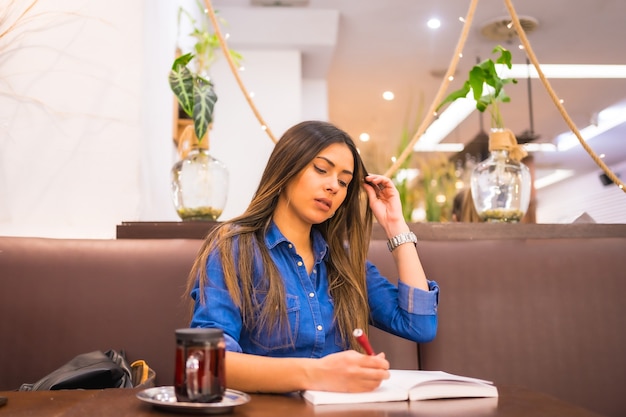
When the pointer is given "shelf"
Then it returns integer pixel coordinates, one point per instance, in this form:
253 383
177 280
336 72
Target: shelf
424 231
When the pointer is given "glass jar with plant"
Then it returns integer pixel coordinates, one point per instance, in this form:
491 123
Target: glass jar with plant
199 181
501 184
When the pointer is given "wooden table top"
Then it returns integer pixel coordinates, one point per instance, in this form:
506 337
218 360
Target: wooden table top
512 402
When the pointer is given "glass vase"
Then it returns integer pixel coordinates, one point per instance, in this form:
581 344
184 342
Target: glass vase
501 188
199 186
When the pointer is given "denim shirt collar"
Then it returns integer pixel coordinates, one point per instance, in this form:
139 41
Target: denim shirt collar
274 237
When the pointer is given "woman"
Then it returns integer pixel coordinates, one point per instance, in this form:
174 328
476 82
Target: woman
288 280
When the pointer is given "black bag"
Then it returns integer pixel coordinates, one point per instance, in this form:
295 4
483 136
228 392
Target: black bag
95 370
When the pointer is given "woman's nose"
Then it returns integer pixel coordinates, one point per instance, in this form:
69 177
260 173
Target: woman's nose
332 185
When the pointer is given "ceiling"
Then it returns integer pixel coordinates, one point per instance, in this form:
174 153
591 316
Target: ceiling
386 45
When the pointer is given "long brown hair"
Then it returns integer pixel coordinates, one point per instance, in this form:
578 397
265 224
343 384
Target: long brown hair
463 209
347 233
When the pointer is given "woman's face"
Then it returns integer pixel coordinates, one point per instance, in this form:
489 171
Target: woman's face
315 194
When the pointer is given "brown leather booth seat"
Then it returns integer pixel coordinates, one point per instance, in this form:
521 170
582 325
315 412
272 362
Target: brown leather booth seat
525 307
63 297
543 312
547 314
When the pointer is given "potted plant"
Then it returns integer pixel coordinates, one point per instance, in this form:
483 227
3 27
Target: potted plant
485 73
189 78
501 184
199 181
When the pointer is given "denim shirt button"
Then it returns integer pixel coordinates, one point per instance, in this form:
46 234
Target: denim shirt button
299 263
311 294
319 327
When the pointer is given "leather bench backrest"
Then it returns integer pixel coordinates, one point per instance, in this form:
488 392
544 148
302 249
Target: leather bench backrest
63 297
547 314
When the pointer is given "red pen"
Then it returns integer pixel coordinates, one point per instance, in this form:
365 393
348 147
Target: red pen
361 337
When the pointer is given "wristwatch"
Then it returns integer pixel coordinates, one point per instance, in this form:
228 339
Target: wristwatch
401 239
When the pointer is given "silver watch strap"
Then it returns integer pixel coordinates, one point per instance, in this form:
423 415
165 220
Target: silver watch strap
401 239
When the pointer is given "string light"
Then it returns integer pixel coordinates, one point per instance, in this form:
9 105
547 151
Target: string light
434 23
231 64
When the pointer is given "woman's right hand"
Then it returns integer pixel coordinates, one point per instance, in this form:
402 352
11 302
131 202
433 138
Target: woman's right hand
349 371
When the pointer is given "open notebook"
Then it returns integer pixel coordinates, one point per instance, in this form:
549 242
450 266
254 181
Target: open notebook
410 385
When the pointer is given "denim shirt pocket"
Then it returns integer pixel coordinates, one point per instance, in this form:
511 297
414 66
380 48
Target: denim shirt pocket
277 339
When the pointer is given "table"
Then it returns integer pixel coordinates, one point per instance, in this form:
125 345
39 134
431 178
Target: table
513 402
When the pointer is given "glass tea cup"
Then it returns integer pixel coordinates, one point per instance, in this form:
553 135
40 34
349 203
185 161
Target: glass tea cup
199 370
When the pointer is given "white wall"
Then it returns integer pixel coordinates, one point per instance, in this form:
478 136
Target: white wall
86 122
565 201
237 138
315 105
86 117
70 107
157 151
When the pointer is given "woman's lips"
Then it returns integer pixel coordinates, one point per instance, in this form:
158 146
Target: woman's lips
326 203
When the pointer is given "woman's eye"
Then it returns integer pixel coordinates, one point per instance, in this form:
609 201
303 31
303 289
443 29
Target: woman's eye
320 170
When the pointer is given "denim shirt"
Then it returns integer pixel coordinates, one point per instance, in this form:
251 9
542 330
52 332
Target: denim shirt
404 311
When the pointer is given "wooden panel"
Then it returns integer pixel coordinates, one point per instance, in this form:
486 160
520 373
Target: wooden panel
424 231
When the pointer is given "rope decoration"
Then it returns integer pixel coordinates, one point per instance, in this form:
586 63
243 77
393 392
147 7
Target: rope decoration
555 99
442 89
187 141
233 69
505 140
440 94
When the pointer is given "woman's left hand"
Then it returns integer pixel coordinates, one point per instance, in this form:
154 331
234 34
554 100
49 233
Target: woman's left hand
384 200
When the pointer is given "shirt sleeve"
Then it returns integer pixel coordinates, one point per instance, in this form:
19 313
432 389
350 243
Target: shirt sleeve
402 310
417 301
222 313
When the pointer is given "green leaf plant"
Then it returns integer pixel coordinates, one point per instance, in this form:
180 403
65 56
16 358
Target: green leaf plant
194 93
192 87
486 99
